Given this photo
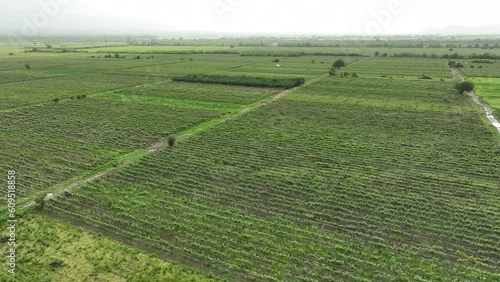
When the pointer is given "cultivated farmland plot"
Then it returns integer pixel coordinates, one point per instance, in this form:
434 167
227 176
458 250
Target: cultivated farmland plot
377 176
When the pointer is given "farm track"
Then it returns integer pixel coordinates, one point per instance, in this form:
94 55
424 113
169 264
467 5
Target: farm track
79 181
487 109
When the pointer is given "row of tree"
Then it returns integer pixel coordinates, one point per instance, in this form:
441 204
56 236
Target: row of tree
455 56
285 83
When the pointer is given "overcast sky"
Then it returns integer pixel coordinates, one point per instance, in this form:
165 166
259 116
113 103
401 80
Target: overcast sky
241 16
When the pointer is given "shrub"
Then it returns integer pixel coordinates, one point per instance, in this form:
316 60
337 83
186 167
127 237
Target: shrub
464 86
27 66
485 61
171 141
453 64
55 100
56 264
243 80
339 63
40 202
425 77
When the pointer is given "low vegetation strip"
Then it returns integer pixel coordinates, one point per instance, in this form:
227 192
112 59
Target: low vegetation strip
285 83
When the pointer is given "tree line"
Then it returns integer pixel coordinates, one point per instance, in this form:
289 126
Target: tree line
285 83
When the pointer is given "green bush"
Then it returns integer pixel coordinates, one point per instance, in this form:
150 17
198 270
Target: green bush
171 141
339 63
464 86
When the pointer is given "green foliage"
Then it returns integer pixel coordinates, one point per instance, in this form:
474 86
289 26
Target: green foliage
453 64
40 202
171 141
464 86
242 80
482 61
27 66
339 63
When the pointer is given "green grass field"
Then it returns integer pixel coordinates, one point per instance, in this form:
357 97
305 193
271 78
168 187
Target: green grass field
54 251
381 177
489 90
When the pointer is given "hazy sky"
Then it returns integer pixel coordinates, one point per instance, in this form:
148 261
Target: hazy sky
31 17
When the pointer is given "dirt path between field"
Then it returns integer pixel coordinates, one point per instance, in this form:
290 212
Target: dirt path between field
487 110
71 184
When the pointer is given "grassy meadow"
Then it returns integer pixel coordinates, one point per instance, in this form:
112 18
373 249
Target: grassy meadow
489 90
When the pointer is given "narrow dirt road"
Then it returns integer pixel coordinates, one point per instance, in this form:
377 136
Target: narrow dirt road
487 110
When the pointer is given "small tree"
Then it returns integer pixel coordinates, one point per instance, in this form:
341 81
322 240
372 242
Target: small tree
339 63
277 60
40 202
377 53
171 141
464 86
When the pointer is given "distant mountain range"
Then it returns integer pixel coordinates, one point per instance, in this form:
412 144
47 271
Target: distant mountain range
455 29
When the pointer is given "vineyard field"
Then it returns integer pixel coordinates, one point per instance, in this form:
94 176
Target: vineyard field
221 160
311 187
